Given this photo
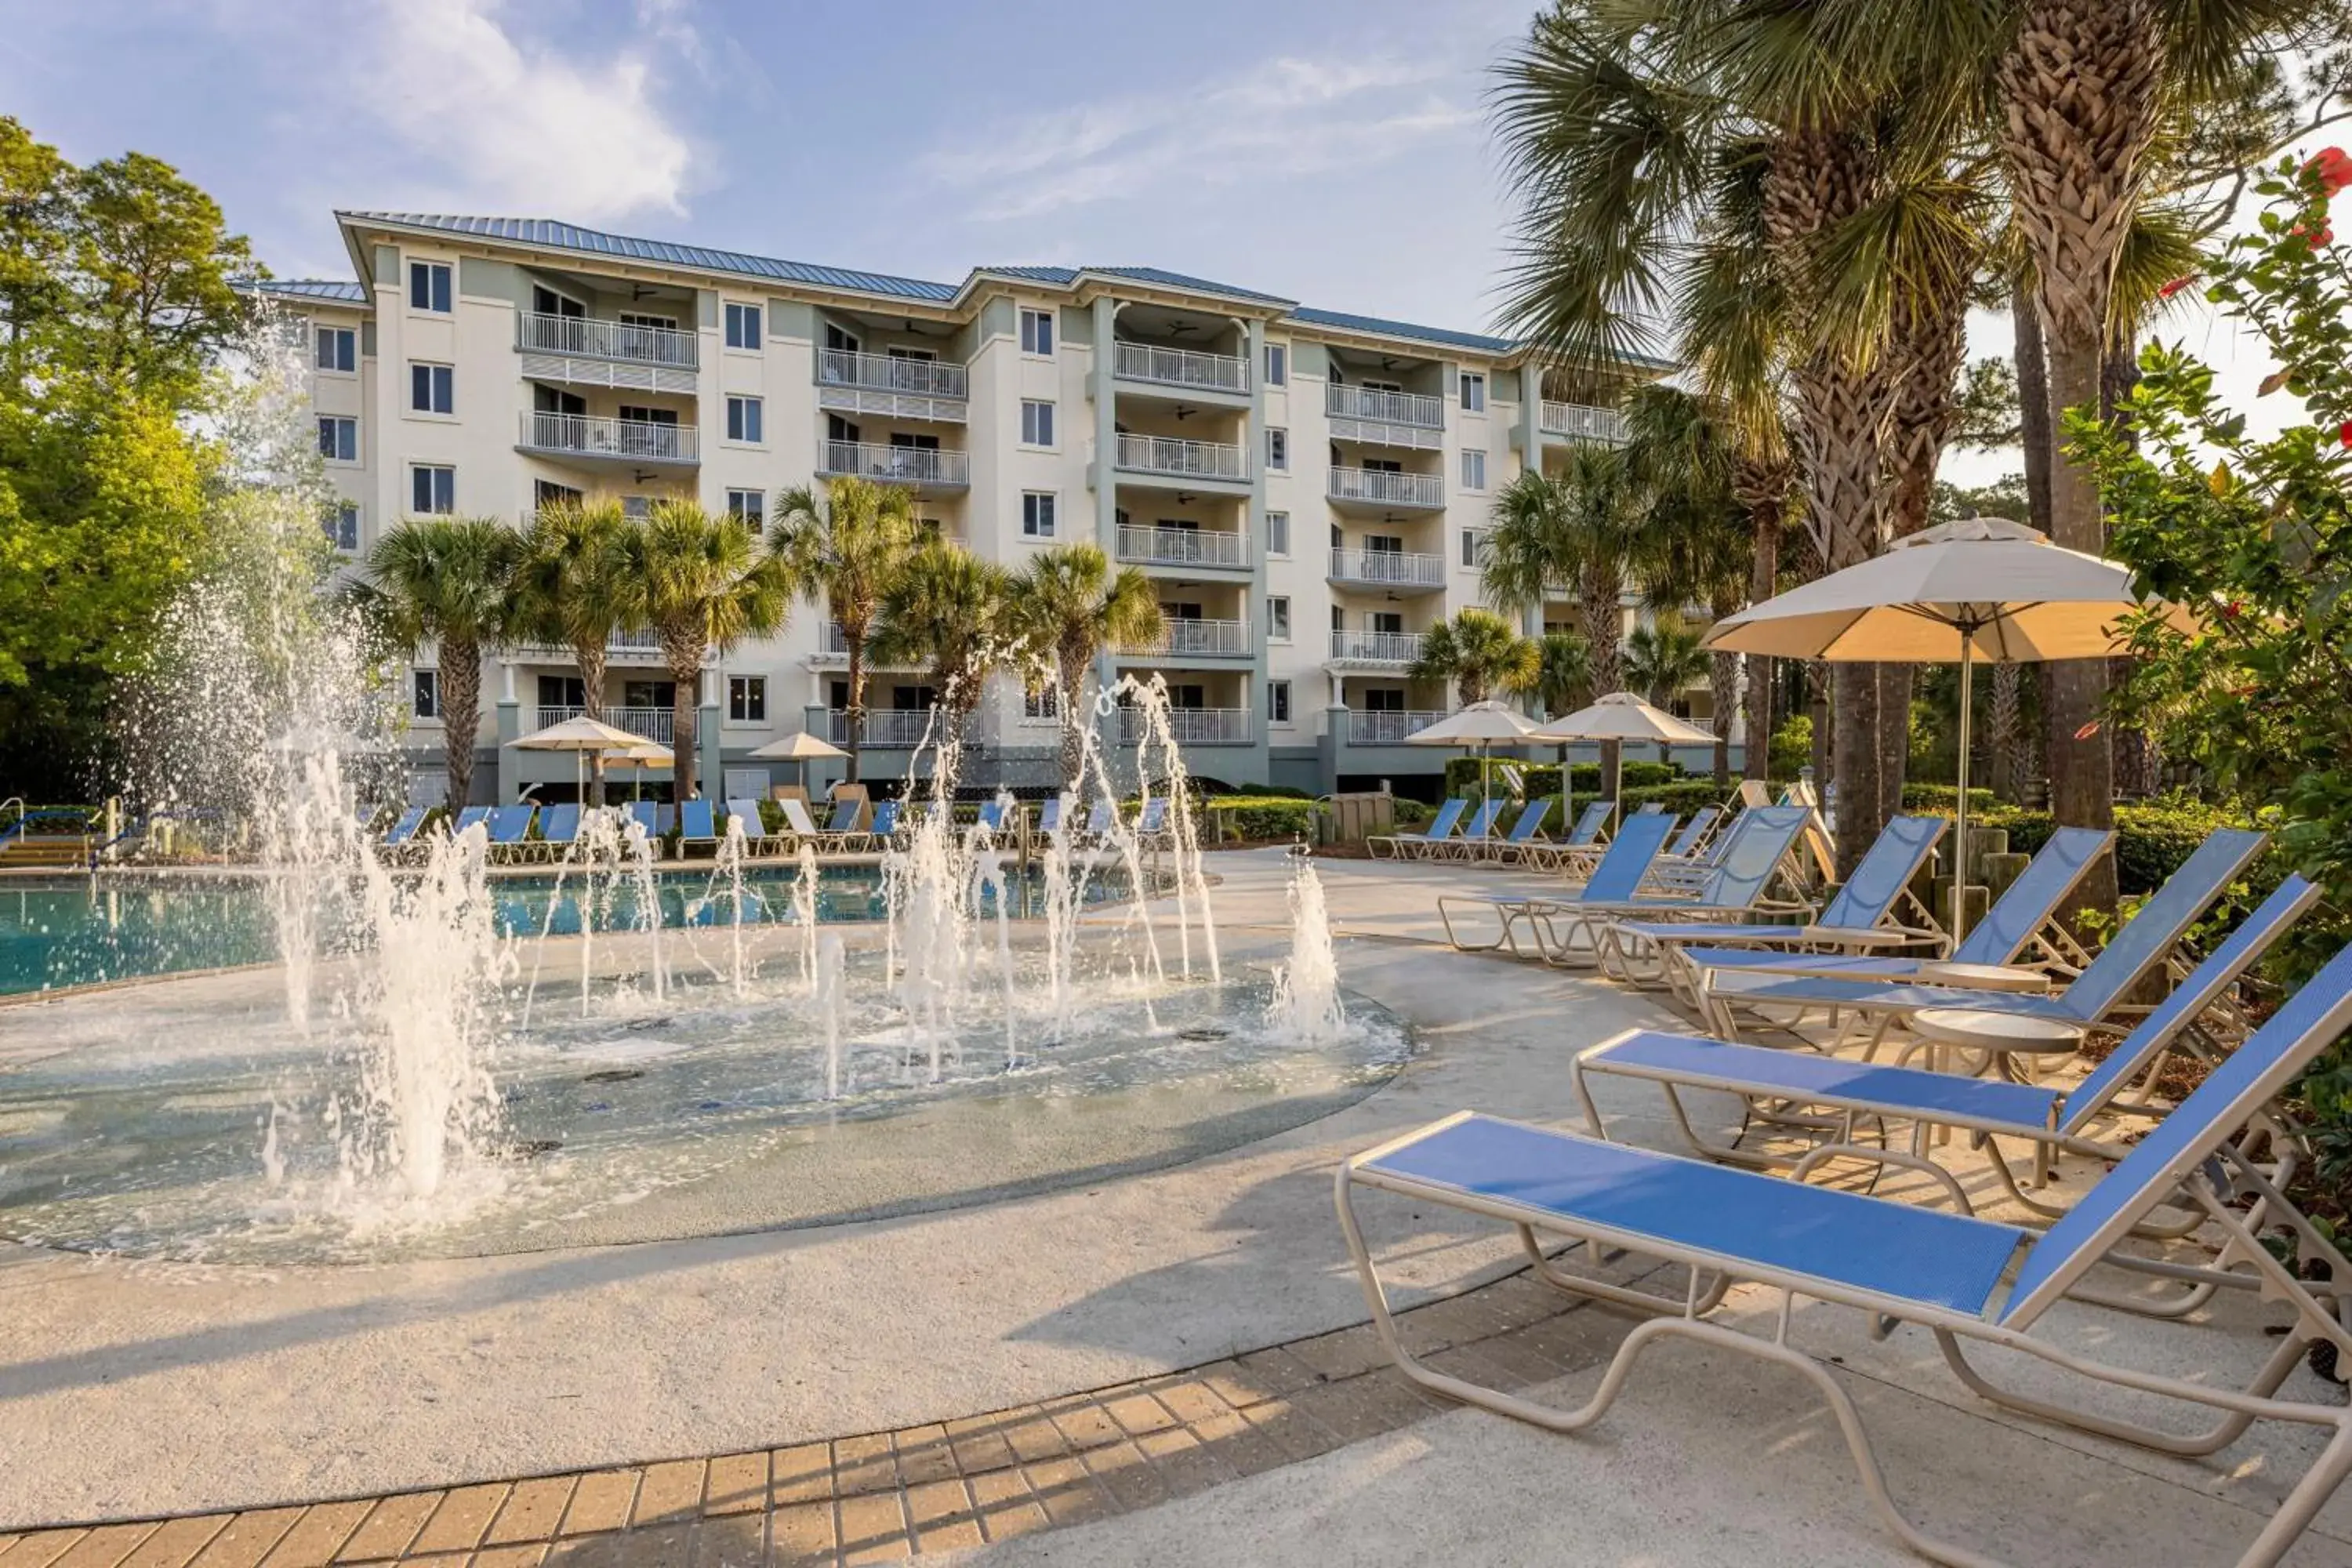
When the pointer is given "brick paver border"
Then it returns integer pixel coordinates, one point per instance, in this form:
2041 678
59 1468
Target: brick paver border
883 1496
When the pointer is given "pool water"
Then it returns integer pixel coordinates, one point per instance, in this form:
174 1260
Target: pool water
80 933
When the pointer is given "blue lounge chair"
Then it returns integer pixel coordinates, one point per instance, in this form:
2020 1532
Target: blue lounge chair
885 827
1583 844
842 833
1472 841
1620 873
2048 1119
1152 829
647 815
1050 812
698 824
1100 820
1402 845
757 840
799 827
468 816
1899 1264
666 819
991 816
1863 915
559 829
1757 857
402 831
509 830
1513 845
2144 941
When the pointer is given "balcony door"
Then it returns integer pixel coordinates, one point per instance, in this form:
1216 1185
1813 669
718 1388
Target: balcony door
839 341
836 428
550 400
1384 465
911 698
563 691
1385 623
546 301
1189 695
645 415
661 694
1181 610
1383 700
1384 544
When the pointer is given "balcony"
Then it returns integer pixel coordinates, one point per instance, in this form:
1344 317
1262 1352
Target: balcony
1378 418
621 647
1582 422
1379 650
1389 569
590 436
832 648
1387 487
1181 459
1193 726
899 728
589 351
1389 726
653 723
887 387
1184 547
918 468
1187 369
1194 639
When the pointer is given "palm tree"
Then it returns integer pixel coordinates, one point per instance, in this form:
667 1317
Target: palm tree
1561 680
703 584
1479 652
573 589
1071 605
1662 658
947 608
448 581
849 549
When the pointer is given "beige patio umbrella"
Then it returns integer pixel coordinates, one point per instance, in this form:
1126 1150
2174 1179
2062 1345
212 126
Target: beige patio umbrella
801 747
579 736
1619 716
1481 724
1982 590
643 756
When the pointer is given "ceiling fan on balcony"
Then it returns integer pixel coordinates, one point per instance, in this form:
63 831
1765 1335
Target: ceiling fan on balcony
1184 413
1183 498
642 476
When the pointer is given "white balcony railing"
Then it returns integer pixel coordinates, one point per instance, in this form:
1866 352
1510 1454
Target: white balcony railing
1583 421
1384 407
898 464
1179 367
1375 647
653 723
591 436
833 647
897 727
632 647
1389 727
884 373
591 337
1185 546
1386 488
1392 568
1188 460
1193 726
1220 639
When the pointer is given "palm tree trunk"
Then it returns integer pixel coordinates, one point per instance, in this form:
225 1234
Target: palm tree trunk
2008 778
1723 685
682 651
1598 607
1817 703
1763 493
2078 746
1073 710
589 657
856 700
459 679
2033 404
1931 344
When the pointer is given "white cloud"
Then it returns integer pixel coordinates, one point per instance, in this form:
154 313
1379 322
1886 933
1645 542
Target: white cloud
519 127
1284 118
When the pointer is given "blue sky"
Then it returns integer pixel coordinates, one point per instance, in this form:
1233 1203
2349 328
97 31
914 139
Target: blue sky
1332 151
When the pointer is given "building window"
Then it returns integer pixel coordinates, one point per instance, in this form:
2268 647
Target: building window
429 287
1473 470
1470 547
636 508
1043 703
1277 447
743 326
1036 331
342 525
1036 514
425 695
1036 422
749 505
338 438
1277 364
339 348
1277 702
747 699
743 420
1277 617
432 489
1474 392
1277 534
432 389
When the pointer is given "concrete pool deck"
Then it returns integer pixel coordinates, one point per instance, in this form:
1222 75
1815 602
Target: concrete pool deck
865 1391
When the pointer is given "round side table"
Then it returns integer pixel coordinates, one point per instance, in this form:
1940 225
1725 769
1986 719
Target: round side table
1982 976
2003 1036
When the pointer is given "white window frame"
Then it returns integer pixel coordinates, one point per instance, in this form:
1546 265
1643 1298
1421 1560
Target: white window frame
342 336
416 471
735 314
1281 710
1038 332
1277 617
1474 467
448 290
1277 364
436 376
1471 538
417 679
1277 534
751 505
1041 514
1037 422
1277 448
741 687
747 419
341 422
1474 392
1042 706
343 523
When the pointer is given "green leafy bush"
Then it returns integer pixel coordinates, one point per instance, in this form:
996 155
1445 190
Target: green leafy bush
1543 778
1683 797
1945 798
1791 750
1264 818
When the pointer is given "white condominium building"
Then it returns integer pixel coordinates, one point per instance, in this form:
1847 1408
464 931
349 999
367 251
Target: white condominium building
1306 488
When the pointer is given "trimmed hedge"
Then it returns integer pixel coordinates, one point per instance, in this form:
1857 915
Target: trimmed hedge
1681 797
1937 797
2152 838
1543 778
1262 818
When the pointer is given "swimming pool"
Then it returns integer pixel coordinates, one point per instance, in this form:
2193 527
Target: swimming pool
80 931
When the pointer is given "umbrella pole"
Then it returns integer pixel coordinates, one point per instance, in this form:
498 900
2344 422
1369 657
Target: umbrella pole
1960 824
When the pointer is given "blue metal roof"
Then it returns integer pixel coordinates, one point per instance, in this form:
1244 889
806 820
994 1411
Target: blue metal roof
570 237
339 291
1343 321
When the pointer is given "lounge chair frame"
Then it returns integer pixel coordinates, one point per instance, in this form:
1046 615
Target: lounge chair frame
1416 846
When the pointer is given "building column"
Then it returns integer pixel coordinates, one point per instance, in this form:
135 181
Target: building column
709 774
1254 525
1103 472
817 720
510 715
1331 746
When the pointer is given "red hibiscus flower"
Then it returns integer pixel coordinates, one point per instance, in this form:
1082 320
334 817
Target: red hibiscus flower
2333 168
2175 287
2344 433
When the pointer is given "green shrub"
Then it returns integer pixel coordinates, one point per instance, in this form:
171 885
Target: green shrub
1946 798
1543 778
2152 838
1264 818
1791 748
1681 797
